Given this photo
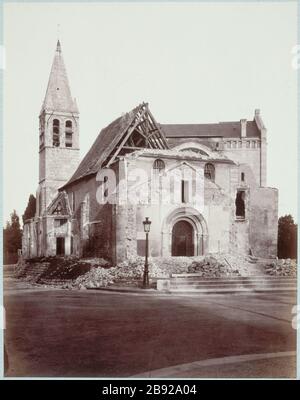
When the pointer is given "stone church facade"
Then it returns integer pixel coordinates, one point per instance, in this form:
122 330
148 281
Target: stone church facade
203 186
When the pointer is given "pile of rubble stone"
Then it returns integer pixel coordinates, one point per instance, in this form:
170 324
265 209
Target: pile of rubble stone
70 272
213 267
282 267
130 272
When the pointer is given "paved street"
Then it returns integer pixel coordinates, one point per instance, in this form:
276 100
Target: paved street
101 334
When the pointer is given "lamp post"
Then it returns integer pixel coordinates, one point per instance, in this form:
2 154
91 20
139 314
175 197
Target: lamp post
146 224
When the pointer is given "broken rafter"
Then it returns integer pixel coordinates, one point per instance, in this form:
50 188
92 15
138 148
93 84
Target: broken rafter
129 132
162 136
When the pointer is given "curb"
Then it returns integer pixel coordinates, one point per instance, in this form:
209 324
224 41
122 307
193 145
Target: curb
150 291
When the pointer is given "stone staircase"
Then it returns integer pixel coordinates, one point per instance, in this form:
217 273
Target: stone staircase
32 271
194 283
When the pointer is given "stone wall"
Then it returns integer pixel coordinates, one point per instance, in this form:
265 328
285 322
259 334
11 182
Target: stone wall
263 222
93 225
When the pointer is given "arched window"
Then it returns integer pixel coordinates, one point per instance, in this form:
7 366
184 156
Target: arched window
56 133
209 172
69 134
158 165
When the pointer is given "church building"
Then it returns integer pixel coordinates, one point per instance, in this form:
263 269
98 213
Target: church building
203 186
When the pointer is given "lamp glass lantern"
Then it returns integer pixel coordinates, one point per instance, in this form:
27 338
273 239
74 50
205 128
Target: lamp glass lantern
147 224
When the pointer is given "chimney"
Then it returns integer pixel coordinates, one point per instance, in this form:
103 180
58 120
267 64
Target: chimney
243 128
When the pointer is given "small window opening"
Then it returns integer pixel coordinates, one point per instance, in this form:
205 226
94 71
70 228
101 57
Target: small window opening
56 142
240 205
69 134
209 172
184 191
158 165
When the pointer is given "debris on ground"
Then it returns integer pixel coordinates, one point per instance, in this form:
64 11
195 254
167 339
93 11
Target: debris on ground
75 273
282 267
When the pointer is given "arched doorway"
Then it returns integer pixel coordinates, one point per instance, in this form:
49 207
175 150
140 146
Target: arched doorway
183 239
195 227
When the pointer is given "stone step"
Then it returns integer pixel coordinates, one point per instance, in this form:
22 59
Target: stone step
232 281
233 290
195 283
231 286
196 275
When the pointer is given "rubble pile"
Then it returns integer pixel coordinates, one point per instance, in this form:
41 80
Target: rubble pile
282 267
213 267
75 273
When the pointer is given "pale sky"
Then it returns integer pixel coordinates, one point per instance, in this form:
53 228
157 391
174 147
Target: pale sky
193 63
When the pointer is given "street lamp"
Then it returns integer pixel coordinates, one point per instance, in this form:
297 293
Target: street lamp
146 224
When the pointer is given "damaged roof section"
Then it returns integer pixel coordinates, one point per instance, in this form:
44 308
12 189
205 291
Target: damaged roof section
132 131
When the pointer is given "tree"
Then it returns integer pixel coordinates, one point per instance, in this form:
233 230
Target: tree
30 209
287 237
12 239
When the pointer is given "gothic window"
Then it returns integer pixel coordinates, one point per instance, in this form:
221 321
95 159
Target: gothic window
240 205
56 133
158 165
69 134
209 172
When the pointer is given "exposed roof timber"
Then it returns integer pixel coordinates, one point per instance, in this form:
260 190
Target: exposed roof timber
129 132
120 137
141 124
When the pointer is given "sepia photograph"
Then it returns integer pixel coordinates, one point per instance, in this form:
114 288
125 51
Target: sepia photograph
149 203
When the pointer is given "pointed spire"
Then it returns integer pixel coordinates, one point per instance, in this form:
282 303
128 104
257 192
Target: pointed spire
58 47
58 95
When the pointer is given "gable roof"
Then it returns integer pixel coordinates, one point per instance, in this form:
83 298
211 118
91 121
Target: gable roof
115 136
221 129
59 205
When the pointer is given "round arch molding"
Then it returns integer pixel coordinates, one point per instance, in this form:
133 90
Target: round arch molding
193 145
198 223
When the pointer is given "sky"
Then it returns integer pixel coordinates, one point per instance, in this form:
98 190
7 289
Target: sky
193 63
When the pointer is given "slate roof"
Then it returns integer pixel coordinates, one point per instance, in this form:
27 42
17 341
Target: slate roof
221 129
58 95
107 139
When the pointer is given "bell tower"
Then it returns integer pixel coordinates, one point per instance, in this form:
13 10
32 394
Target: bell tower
59 134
